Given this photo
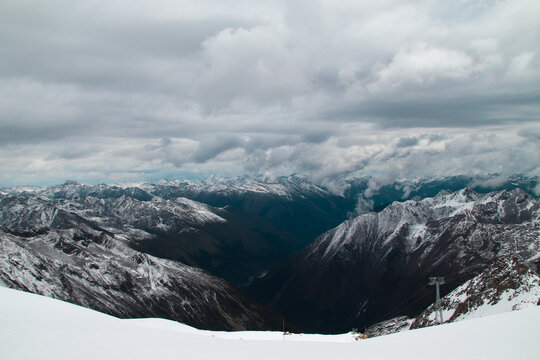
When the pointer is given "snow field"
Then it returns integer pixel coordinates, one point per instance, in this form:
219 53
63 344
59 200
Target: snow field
37 327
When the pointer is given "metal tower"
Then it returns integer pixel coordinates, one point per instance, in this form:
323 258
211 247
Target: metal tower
437 281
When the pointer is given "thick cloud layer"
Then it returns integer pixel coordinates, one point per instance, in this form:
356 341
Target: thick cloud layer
137 90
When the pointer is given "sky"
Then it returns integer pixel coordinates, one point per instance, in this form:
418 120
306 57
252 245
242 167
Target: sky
124 91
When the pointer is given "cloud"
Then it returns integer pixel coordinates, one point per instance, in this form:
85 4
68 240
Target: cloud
407 142
256 64
76 153
424 65
174 88
211 148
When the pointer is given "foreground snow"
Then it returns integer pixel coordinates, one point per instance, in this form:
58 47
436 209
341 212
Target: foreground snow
37 327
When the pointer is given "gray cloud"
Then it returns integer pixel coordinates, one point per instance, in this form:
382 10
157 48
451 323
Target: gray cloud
211 148
407 141
132 90
76 153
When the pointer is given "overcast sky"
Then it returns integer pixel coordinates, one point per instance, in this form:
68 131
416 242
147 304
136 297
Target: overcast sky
121 91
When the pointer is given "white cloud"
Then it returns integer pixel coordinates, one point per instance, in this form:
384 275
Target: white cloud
256 64
521 67
424 65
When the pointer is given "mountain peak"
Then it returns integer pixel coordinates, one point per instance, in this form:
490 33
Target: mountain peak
71 182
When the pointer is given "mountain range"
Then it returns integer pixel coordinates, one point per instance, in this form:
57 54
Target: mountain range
135 250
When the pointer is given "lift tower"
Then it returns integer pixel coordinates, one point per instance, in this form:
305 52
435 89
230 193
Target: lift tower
437 281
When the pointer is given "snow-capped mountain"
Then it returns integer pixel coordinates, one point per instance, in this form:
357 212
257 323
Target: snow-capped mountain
241 228
72 189
285 186
228 242
375 194
360 272
291 203
95 268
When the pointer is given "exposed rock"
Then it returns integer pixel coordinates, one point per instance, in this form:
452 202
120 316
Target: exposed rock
387 327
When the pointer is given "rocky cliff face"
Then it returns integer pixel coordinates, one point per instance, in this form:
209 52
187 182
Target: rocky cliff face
387 327
360 272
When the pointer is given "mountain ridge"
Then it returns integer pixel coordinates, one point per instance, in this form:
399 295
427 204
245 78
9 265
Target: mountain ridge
99 271
227 242
360 269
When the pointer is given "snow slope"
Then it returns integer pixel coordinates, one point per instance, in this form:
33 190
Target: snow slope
36 327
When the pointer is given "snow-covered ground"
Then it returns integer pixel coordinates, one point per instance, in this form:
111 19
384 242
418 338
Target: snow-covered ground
37 327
